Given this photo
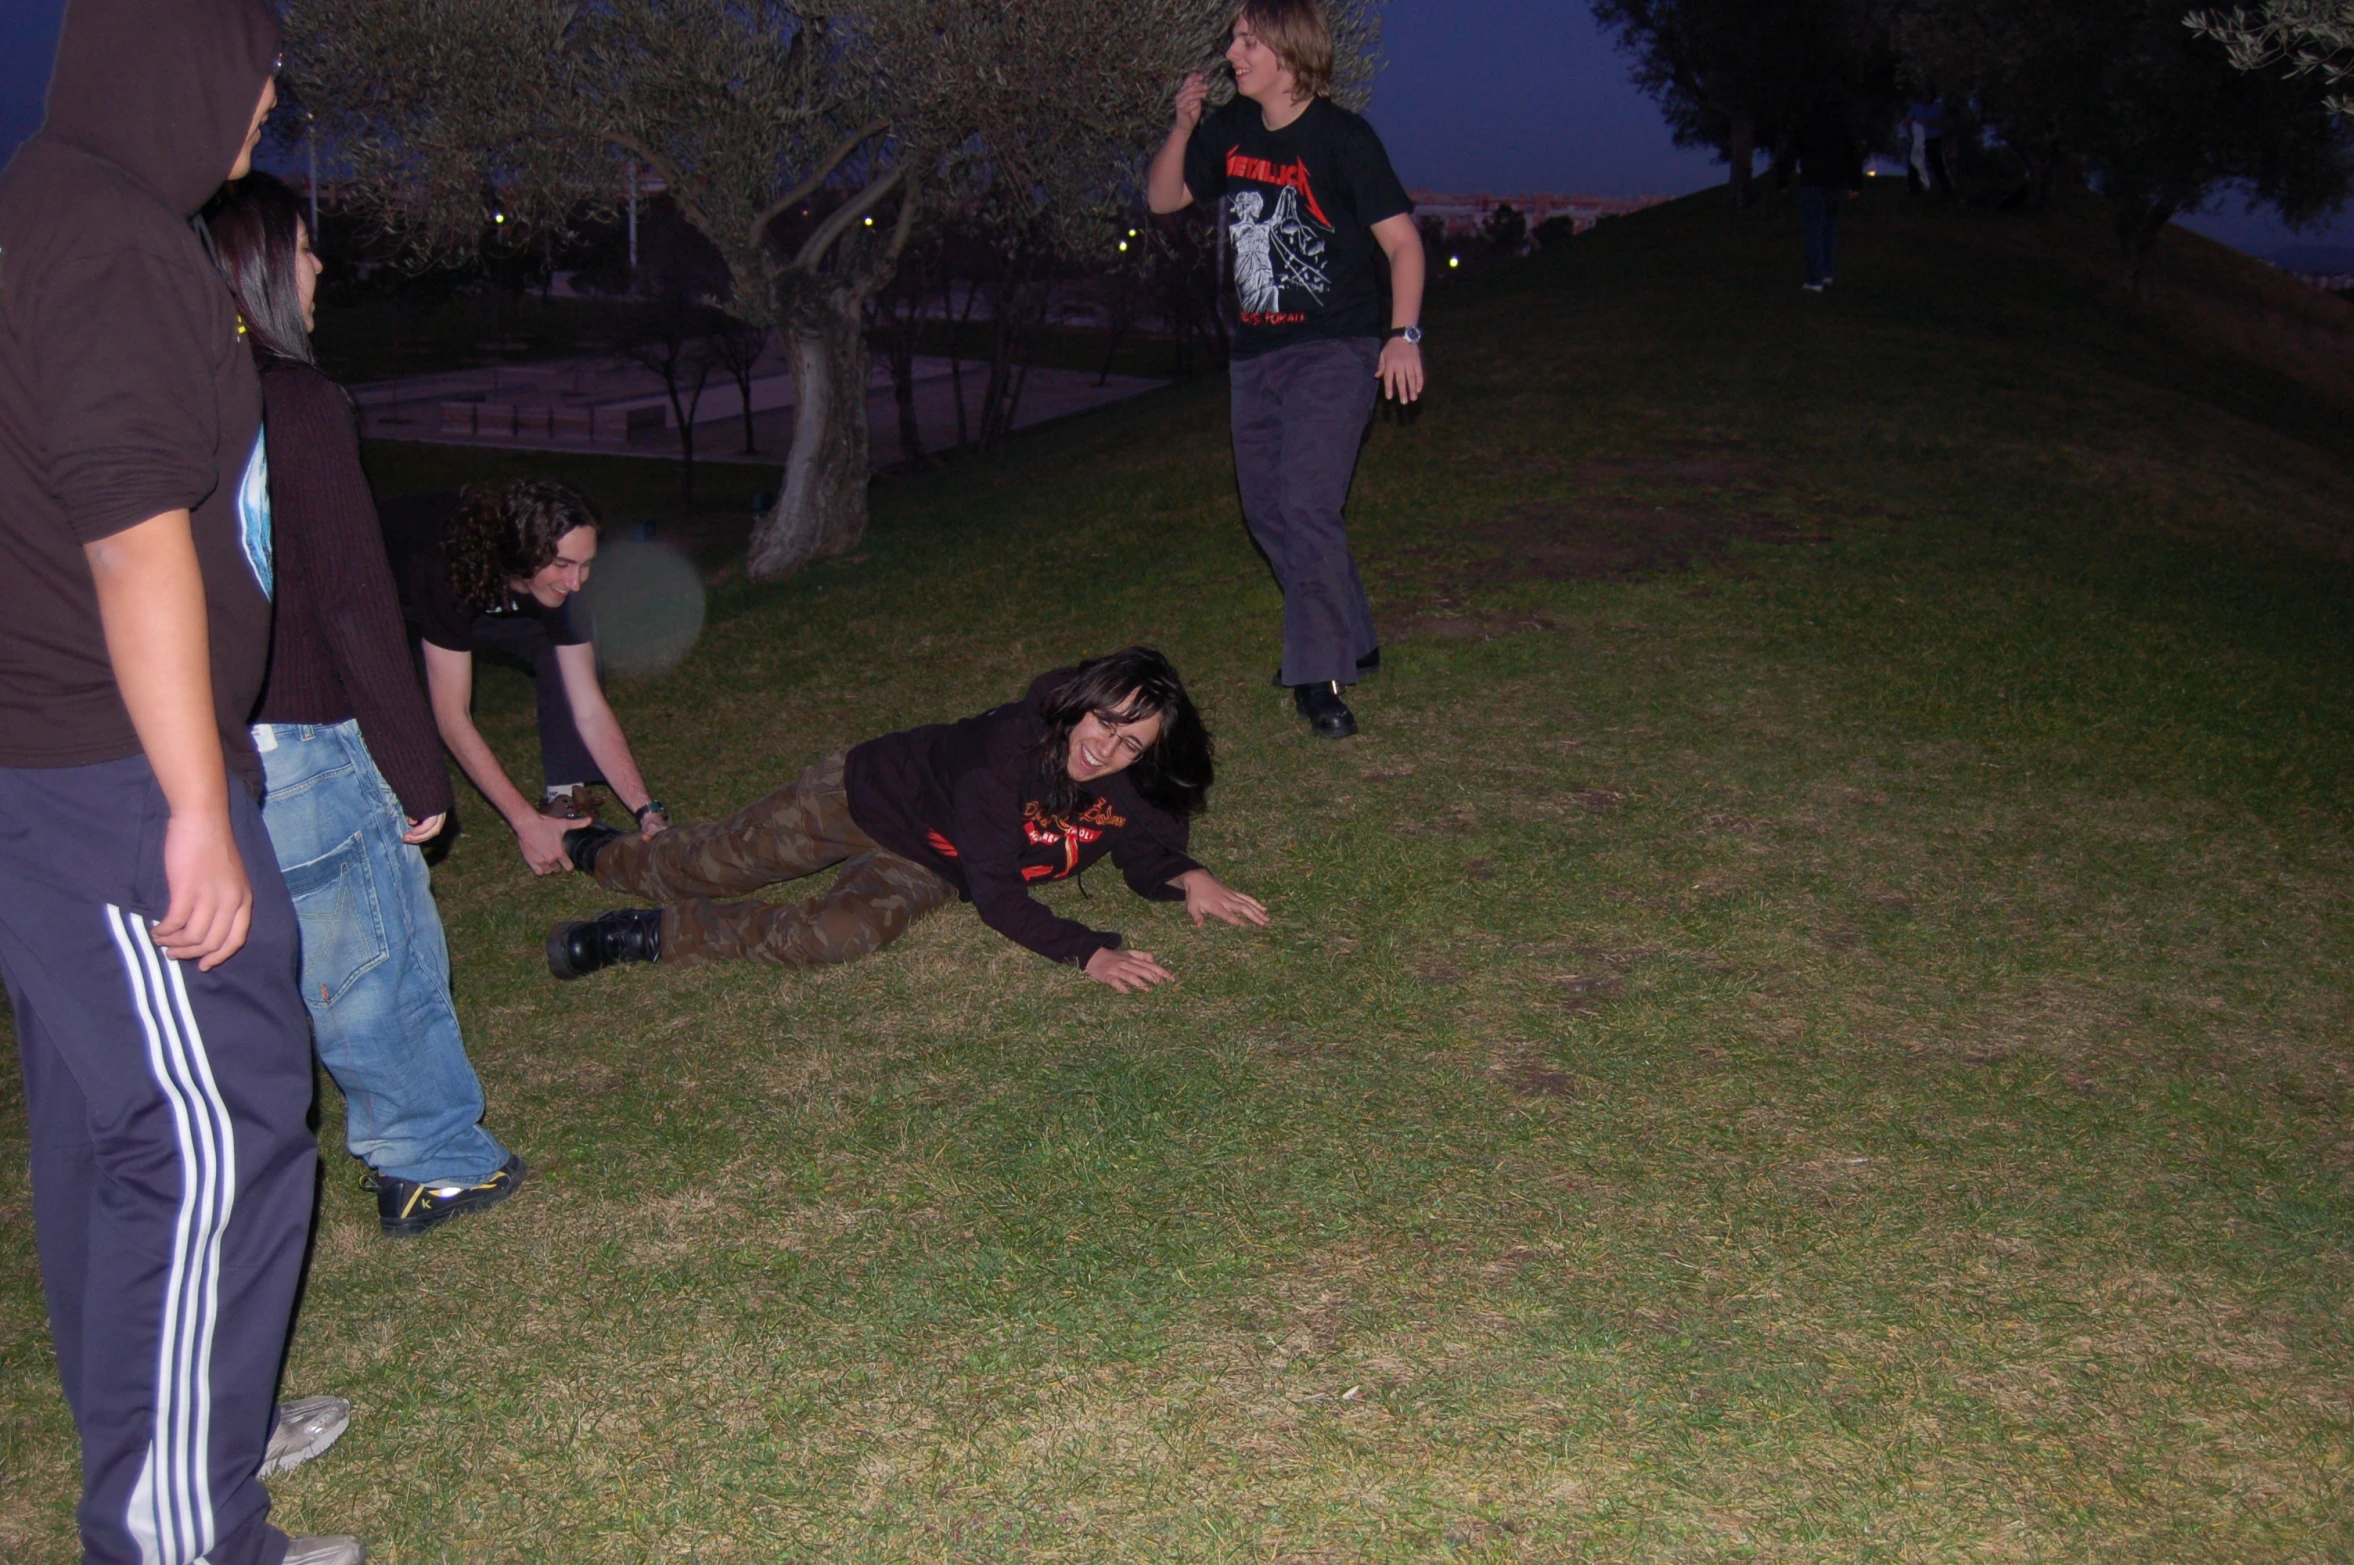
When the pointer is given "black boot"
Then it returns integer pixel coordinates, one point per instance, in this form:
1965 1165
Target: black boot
1325 711
582 844
630 934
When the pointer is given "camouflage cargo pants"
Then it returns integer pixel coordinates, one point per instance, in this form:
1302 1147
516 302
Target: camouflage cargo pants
801 828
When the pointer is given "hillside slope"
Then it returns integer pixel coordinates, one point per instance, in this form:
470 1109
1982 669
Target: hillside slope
1811 1025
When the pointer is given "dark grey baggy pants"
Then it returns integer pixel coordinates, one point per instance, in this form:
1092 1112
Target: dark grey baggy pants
1300 415
173 1166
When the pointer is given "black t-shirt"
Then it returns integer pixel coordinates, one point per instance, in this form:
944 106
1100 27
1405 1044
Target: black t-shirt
1304 201
959 799
415 527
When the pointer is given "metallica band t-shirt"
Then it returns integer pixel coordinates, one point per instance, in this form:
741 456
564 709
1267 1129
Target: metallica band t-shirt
1303 202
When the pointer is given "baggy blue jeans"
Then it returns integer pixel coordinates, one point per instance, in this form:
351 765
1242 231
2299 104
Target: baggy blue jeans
1818 220
375 968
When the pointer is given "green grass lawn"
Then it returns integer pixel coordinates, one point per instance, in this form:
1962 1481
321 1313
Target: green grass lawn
1835 1052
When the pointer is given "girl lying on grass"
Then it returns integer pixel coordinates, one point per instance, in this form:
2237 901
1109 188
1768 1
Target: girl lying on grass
1108 757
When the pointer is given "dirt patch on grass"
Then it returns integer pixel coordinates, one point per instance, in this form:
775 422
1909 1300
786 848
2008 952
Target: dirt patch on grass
1688 507
1531 1079
1584 991
1617 539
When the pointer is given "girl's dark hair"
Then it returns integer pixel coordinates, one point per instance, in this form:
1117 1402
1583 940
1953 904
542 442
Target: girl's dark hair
1173 773
255 223
508 532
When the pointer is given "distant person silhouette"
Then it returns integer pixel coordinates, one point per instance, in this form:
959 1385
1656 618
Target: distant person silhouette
1830 169
1925 170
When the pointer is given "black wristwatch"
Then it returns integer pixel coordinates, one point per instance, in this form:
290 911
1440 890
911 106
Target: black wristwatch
650 807
1413 334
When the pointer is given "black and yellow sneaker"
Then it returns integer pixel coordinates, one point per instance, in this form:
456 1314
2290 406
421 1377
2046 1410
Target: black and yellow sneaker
407 1208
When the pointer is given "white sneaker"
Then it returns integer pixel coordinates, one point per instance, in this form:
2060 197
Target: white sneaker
307 1426
338 1550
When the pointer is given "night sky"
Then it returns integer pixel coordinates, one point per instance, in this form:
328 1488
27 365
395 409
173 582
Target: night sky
1495 95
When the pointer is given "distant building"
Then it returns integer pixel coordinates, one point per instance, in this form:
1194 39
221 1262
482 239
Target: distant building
1461 216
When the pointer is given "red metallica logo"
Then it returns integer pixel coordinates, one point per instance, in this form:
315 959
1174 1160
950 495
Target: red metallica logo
1293 176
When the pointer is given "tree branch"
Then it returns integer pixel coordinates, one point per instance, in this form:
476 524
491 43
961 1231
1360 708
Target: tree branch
829 232
888 262
672 179
816 179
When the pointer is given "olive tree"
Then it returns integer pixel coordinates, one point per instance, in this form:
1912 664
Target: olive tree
1735 75
2306 37
2119 95
804 141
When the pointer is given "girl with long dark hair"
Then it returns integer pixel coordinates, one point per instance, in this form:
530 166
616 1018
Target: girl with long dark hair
354 773
1109 757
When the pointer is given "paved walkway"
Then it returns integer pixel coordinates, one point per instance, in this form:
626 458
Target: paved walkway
610 404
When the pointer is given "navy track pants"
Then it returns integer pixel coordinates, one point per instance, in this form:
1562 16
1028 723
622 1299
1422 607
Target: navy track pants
174 1171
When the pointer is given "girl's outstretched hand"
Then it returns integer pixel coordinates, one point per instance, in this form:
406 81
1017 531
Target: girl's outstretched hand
1206 898
1127 971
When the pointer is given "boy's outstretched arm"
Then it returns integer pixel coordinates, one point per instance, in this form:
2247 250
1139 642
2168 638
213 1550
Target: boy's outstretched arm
1400 369
449 690
1164 182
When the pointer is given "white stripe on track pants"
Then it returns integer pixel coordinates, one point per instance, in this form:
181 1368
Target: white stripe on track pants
173 1169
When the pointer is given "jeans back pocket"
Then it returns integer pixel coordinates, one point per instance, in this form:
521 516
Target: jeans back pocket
342 922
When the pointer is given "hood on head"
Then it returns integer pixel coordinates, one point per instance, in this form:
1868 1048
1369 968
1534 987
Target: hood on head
162 89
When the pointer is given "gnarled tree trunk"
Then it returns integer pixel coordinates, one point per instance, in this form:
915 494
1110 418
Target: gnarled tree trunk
821 509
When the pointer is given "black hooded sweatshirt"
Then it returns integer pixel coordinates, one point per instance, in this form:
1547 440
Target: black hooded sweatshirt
125 391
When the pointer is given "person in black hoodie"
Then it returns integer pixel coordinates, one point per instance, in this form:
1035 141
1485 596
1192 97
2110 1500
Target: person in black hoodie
1109 757
147 939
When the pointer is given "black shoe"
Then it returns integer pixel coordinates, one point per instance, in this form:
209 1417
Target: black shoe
407 1208
1325 711
630 934
582 844
1367 666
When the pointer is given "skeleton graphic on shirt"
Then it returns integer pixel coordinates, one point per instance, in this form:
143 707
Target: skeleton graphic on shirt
1278 251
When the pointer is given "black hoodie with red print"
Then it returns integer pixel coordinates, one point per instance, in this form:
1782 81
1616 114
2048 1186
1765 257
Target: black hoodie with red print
125 391
961 800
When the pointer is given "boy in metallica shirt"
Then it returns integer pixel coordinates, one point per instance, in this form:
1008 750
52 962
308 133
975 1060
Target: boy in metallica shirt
1106 758
1307 194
